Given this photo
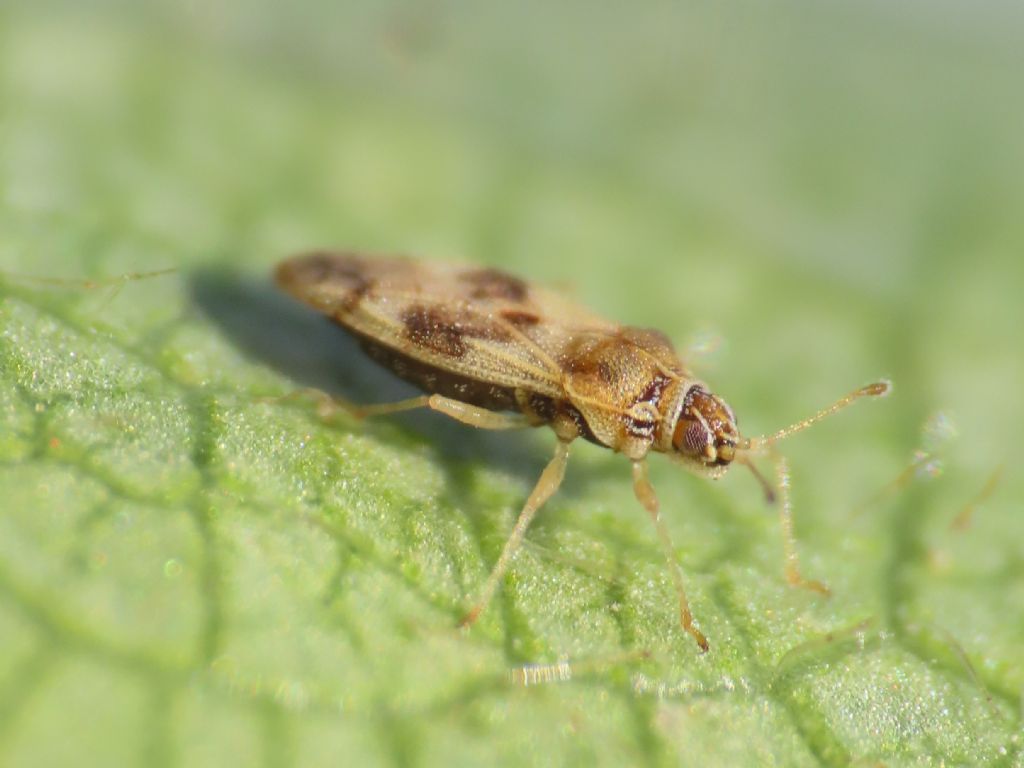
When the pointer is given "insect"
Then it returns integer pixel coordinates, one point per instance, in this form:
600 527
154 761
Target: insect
494 352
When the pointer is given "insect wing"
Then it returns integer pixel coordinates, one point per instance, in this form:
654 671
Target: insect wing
476 322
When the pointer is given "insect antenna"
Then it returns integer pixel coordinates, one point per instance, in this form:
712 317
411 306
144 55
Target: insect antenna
766 487
878 389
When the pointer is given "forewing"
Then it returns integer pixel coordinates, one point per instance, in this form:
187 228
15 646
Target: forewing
477 322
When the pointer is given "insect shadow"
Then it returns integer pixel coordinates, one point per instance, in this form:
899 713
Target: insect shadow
311 351
314 353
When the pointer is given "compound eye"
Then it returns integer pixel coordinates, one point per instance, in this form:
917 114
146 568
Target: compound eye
691 437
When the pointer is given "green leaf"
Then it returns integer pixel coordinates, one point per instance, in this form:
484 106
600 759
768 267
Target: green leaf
195 572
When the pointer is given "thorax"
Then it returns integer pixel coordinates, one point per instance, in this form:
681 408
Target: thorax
628 387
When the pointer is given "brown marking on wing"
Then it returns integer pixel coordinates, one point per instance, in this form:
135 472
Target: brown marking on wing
445 330
432 379
520 318
472 322
494 284
343 276
591 357
434 329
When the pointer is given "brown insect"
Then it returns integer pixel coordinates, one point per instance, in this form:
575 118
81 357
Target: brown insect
496 353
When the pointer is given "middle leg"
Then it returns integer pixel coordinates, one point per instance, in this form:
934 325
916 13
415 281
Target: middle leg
548 483
645 494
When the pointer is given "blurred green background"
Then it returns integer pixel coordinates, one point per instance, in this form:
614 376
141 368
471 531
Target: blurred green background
193 575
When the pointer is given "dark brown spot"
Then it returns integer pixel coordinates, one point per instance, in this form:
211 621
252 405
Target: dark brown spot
494 284
594 364
652 393
592 360
433 379
637 428
433 329
548 410
355 296
480 328
581 423
324 266
542 406
446 331
519 318
339 273
605 372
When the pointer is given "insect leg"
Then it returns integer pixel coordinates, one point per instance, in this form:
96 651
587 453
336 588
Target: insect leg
115 284
645 495
474 415
766 487
455 409
792 567
548 483
328 405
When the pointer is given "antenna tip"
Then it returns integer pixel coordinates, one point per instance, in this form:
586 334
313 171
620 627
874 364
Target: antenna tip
878 389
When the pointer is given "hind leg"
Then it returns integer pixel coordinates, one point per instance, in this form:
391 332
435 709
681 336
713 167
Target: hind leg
327 406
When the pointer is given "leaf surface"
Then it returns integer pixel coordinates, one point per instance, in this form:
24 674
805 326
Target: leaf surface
194 572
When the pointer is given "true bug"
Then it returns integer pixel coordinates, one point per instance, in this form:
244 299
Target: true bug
494 352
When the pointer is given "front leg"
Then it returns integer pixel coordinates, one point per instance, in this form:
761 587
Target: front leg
645 495
794 575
